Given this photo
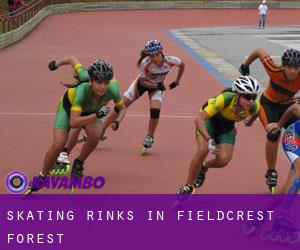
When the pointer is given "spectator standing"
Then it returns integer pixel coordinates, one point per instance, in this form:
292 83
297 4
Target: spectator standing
262 9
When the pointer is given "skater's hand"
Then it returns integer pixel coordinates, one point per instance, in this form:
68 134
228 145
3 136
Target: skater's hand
274 134
52 65
212 147
173 85
102 112
161 86
244 70
115 125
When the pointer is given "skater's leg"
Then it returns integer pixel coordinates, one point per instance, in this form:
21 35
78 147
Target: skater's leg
222 158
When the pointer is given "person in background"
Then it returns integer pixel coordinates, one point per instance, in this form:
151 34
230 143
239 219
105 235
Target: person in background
13 5
262 9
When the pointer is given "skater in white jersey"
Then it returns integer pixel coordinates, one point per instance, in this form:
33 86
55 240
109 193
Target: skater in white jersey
153 66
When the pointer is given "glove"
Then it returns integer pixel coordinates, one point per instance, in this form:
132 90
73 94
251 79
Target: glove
52 65
173 85
161 86
211 145
244 70
274 134
102 112
115 125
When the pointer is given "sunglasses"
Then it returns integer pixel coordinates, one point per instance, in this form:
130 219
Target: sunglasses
249 97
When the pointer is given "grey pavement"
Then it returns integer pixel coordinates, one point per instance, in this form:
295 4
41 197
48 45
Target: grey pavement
227 47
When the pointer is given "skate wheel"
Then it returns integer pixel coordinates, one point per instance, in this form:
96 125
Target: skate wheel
72 190
103 137
275 237
60 169
295 239
81 139
248 229
28 191
143 151
284 239
272 190
66 170
266 235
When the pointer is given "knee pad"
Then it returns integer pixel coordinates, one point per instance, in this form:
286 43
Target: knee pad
295 186
116 109
154 113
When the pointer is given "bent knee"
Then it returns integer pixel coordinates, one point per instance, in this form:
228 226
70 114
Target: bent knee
202 151
222 161
94 139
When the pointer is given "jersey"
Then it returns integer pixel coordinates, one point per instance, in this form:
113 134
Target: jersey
80 98
222 107
291 141
279 89
156 74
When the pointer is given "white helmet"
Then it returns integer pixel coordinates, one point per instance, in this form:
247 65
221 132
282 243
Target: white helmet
246 85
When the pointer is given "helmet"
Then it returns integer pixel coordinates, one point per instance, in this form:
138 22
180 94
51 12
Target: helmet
101 70
291 58
246 85
152 47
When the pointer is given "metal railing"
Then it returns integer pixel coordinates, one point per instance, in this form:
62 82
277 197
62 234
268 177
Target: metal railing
24 13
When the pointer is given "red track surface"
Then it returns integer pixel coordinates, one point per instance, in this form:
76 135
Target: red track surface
28 87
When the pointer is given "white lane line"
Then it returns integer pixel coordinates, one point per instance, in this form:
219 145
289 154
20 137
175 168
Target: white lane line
129 115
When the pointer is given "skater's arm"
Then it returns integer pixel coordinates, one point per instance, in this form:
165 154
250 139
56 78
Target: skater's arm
292 110
78 121
199 122
71 60
254 113
121 114
181 68
116 116
214 106
147 84
258 53
122 111
248 122
274 134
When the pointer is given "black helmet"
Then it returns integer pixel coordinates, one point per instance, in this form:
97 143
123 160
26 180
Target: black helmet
291 58
101 70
